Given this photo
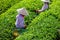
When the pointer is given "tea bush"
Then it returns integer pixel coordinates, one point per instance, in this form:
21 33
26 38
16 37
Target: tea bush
7 19
45 25
6 4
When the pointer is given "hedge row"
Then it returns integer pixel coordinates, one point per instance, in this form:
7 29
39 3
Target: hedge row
7 19
6 4
44 26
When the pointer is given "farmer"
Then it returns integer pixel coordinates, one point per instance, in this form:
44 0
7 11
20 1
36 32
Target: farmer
45 6
20 20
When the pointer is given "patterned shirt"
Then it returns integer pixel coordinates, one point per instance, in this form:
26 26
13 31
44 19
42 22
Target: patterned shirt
19 21
45 6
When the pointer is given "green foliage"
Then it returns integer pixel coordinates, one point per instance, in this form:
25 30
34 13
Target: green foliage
6 4
7 19
44 26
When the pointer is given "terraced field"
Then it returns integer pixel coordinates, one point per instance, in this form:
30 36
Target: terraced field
39 27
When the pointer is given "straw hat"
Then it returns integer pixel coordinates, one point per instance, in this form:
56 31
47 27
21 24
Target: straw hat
46 1
22 11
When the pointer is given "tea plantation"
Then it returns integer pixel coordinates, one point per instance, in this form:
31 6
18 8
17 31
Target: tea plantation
39 27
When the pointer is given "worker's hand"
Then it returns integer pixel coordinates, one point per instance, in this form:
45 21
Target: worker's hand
38 11
25 26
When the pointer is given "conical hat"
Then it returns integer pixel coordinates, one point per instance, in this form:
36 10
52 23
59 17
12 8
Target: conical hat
46 1
22 11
